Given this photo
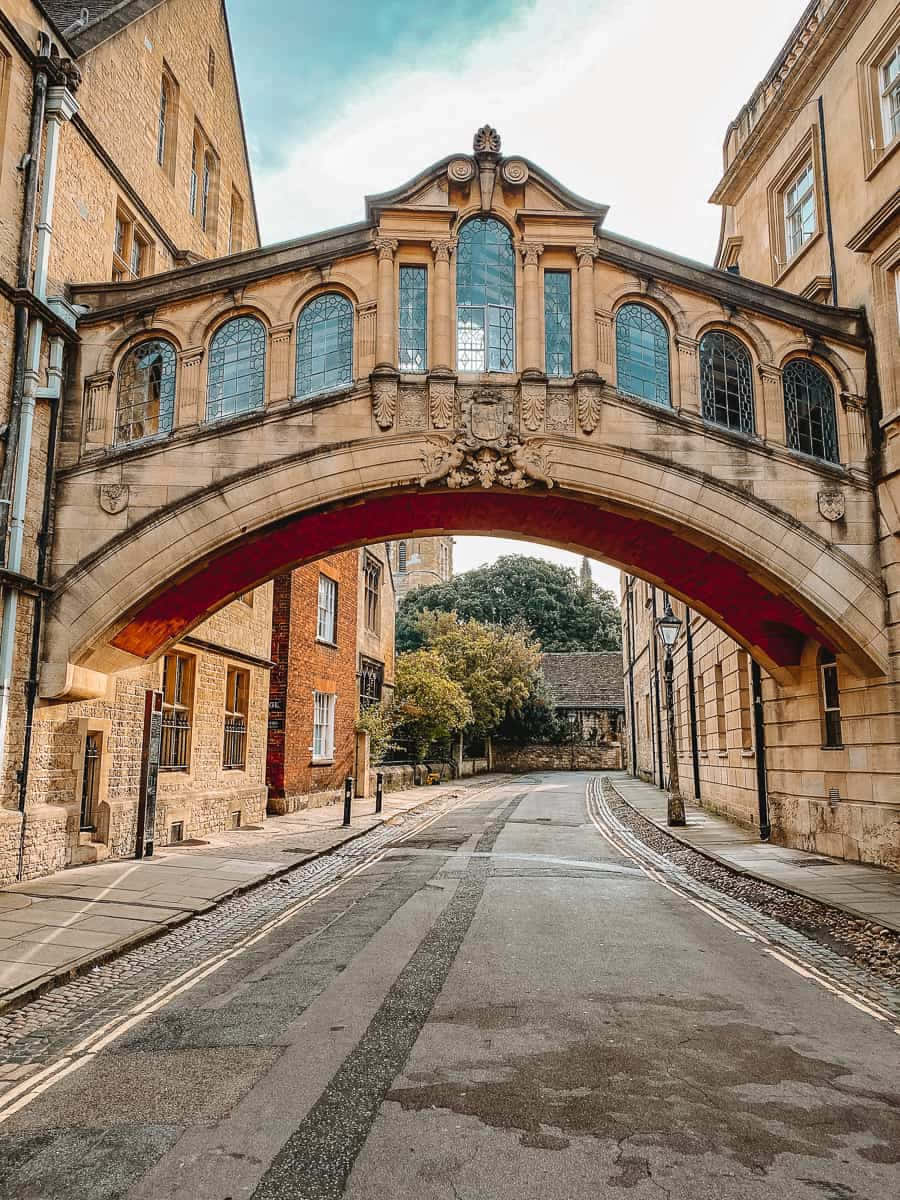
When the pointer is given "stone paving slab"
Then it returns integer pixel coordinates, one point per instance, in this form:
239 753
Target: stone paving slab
57 926
872 893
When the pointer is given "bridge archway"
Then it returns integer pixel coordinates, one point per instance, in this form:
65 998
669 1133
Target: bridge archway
771 583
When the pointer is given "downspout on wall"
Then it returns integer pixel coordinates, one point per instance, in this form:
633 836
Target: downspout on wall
60 106
629 612
692 702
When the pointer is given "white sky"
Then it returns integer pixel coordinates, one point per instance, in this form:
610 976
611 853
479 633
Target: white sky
625 104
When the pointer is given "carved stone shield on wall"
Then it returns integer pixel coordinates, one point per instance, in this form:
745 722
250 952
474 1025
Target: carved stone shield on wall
113 497
487 416
832 505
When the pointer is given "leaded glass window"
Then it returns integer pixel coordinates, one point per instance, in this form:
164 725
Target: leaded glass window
725 381
325 345
485 297
237 369
558 322
642 354
809 410
145 397
413 293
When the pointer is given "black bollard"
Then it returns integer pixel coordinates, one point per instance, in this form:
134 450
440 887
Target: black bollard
379 792
348 798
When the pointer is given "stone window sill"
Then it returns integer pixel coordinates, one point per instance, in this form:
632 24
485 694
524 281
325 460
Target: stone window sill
324 642
321 762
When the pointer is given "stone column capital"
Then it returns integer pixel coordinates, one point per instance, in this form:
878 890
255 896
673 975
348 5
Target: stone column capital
191 356
852 402
387 248
585 255
768 373
442 248
686 345
531 253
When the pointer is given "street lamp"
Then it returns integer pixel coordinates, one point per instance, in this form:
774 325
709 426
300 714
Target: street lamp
668 626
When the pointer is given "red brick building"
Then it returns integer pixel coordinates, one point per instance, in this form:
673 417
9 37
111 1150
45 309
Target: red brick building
332 643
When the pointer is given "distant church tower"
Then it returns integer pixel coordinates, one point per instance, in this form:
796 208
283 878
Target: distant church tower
421 562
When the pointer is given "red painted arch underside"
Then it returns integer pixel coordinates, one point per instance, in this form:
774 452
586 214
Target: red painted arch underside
762 618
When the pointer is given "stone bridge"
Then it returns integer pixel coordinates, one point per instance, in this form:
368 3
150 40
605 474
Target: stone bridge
477 355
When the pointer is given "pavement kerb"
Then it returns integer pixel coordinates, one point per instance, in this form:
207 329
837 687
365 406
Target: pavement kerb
96 958
751 874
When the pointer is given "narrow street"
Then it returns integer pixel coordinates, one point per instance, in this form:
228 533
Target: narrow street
513 1000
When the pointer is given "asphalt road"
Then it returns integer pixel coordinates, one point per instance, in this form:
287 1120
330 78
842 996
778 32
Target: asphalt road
501 1007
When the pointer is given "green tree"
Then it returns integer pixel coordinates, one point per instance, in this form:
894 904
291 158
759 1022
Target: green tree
562 611
496 668
377 720
429 706
535 720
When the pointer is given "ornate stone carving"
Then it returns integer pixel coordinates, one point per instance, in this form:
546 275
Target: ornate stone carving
387 248
559 413
461 170
832 505
531 253
461 463
113 497
585 255
96 397
515 172
384 400
442 249
588 405
441 396
486 139
411 410
487 415
533 399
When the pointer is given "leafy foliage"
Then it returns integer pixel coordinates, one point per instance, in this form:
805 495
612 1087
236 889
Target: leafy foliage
429 706
377 720
535 721
562 611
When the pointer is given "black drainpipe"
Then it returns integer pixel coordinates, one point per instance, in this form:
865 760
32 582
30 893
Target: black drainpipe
759 728
692 702
659 760
827 196
629 608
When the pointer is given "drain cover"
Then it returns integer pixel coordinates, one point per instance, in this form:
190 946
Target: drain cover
813 862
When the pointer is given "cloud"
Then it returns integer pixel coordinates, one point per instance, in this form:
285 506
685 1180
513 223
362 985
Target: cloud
627 105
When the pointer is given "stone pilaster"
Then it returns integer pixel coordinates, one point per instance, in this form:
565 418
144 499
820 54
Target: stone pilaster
587 322
688 374
606 344
281 375
853 429
770 424
367 313
532 359
442 325
190 407
99 413
385 337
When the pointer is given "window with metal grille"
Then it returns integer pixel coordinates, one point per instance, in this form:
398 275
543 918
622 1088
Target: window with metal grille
326 623
372 594
176 832
642 354
196 151
412 323
177 689
701 711
809 410
558 322
371 682
162 120
325 345
485 297
90 782
830 699
145 393
746 699
205 191
800 209
323 726
237 690
721 729
726 382
401 556
236 380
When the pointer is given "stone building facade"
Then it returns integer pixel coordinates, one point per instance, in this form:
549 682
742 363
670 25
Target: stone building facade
587 691
810 199
131 197
333 653
420 562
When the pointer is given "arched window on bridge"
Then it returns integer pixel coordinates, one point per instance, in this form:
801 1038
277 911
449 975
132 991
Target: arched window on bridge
642 354
325 345
726 381
809 410
236 380
145 396
485 297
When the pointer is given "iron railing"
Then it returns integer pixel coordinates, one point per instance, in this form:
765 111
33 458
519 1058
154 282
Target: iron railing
234 754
